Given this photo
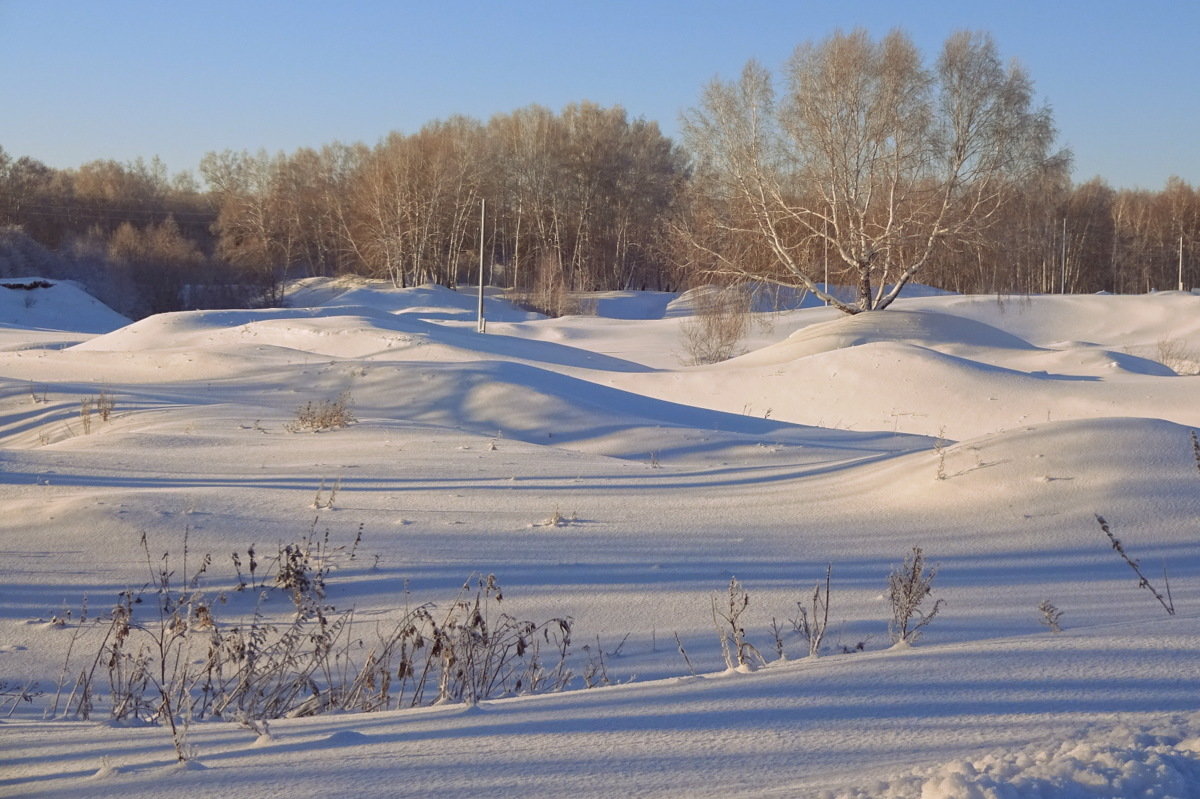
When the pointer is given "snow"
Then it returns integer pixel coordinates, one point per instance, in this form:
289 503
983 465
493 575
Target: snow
598 477
35 312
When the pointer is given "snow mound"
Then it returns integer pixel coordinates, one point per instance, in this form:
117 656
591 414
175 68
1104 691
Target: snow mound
1041 468
1150 762
909 386
1136 322
918 370
538 406
762 298
629 304
927 329
338 331
37 304
430 301
687 303
772 298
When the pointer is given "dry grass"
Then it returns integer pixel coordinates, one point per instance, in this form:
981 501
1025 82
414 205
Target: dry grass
322 415
169 657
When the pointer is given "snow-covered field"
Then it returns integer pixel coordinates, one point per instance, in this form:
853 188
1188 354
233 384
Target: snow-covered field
599 478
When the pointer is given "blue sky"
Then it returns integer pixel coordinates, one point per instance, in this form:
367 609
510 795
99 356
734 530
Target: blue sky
88 79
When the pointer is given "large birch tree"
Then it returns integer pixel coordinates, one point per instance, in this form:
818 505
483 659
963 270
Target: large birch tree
868 158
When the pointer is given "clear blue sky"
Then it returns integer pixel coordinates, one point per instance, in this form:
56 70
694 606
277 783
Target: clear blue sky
88 79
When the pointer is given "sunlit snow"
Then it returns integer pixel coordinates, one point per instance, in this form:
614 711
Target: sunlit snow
600 477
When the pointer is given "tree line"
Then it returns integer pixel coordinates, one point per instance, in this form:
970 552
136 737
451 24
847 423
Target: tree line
557 202
581 198
859 162
1083 238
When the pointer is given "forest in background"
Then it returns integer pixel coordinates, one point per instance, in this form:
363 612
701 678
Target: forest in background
580 200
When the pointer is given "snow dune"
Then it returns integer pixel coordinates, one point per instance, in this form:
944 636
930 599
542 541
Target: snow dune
940 373
35 312
599 478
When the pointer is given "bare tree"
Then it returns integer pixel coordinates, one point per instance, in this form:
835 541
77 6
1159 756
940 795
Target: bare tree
1088 216
869 156
584 193
241 186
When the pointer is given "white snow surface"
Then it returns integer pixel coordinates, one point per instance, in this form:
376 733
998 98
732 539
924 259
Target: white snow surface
988 431
35 312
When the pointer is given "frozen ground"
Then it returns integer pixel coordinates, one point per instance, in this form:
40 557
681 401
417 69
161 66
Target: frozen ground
988 431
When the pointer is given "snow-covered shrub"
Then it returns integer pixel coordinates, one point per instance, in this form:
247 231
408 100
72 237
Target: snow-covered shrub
813 621
909 585
22 256
734 646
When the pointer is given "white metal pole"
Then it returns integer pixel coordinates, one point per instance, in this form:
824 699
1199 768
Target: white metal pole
825 240
1062 286
1181 263
481 325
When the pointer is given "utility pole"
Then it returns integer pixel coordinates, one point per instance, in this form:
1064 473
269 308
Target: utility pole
1062 286
481 324
1181 262
825 240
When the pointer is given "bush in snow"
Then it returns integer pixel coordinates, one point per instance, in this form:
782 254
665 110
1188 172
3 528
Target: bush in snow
909 585
1050 616
1178 356
727 619
721 318
315 417
814 620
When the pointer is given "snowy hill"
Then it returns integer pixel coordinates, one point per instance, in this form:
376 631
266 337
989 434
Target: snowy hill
39 312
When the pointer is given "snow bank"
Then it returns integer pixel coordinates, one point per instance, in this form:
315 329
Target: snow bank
1159 761
927 329
34 303
430 301
1137 322
629 304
